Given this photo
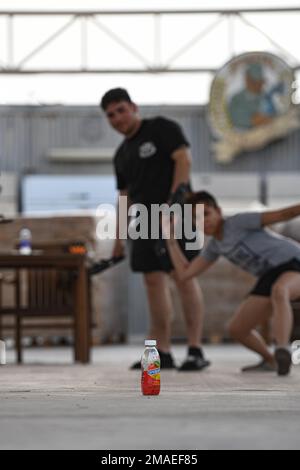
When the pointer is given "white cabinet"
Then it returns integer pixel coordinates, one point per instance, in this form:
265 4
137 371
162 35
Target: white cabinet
55 194
283 189
8 194
235 192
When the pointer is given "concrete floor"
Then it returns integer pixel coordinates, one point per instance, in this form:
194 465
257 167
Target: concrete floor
50 404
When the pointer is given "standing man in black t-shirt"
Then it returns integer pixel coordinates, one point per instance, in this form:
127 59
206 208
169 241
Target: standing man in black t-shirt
150 164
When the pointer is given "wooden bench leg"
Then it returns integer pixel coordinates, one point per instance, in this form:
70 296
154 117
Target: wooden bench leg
82 321
18 333
18 340
1 305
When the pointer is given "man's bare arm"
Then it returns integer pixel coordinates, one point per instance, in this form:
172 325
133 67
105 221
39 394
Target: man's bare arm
280 215
182 158
186 269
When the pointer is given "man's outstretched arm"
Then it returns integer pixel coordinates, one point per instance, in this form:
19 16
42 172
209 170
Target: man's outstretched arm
280 215
186 269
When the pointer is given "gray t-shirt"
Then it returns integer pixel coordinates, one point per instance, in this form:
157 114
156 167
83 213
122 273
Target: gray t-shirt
250 246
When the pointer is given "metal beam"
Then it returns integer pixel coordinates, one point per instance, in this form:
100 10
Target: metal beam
268 37
153 65
154 70
116 38
194 40
233 11
10 40
45 43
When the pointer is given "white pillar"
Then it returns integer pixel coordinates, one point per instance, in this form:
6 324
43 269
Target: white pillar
2 353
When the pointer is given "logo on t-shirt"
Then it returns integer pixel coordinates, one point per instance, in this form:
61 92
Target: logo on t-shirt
243 256
147 150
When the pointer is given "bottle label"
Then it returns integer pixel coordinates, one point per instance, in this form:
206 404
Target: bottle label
154 372
151 379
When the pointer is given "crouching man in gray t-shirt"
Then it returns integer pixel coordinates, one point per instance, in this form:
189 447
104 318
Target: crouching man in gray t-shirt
273 259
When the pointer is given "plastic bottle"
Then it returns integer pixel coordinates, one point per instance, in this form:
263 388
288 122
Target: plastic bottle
150 364
25 242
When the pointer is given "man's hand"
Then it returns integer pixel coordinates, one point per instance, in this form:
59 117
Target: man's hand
168 225
180 195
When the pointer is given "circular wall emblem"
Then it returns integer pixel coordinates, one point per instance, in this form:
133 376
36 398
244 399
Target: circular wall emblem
251 103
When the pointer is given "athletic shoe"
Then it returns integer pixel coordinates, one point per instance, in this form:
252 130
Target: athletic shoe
193 364
135 366
166 362
262 366
284 361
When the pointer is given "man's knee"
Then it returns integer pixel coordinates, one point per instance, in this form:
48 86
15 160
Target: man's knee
155 280
279 292
234 330
186 286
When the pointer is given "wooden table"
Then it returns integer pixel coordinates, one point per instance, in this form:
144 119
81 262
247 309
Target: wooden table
67 262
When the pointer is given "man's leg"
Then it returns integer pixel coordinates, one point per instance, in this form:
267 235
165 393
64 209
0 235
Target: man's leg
192 303
160 306
252 312
286 289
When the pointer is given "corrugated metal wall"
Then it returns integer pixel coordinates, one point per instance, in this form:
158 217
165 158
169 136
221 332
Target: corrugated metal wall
28 132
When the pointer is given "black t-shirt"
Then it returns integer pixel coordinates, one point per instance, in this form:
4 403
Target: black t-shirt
143 163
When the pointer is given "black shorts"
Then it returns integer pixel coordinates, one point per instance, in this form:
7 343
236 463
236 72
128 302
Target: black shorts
146 256
264 285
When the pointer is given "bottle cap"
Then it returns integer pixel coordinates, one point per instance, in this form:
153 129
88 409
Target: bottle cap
25 233
150 342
